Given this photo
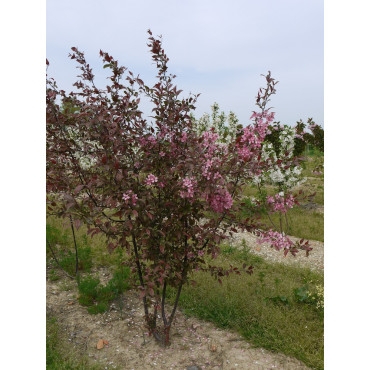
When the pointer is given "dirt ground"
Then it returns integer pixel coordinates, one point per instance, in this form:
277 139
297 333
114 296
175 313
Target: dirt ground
194 345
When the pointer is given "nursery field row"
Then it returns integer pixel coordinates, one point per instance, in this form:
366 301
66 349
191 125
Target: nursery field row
267 308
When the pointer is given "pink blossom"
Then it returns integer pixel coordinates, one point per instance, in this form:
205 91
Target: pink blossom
151 179
279 203
134 199
252 138
220 200
125 197
210 144
129 195
189 184
162 154
149 142
244 152
217 176
206 171
270 117
184 137
276 240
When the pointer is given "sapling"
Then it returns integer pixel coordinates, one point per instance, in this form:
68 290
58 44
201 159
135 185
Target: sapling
155 187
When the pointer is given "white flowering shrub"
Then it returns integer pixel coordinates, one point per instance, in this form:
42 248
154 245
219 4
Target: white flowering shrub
285 171
224 126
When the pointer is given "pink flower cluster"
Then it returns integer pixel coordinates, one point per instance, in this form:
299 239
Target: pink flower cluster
251 139
312 126
279 203
129 195
254 135
220 200
150 141
151 179
189 184
206 169
184 137
268 116
209 143
244 152
276 240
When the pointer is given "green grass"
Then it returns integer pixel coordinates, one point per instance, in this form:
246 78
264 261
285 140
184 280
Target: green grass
97 297
58 233
303 223
268 308
60 355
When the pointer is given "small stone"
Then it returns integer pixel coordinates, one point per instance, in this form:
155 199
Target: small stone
194 367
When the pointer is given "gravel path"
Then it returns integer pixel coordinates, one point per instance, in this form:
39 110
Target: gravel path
314 261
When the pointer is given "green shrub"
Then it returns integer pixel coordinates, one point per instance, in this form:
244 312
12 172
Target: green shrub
88 289
67 259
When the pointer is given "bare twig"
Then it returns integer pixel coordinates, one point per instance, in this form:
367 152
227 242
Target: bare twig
56 260
75 244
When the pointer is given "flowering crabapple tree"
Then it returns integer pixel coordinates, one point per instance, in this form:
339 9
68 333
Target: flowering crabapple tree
157 188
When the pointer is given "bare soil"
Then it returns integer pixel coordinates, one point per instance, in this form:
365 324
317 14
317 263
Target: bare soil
193 342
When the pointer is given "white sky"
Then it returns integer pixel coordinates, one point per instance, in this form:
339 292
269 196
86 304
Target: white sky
216 48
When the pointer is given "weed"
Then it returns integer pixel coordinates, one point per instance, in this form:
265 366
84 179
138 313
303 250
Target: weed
278 299
97 297
67 260
301 294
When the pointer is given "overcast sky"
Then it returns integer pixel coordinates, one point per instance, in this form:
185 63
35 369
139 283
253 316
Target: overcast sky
216 48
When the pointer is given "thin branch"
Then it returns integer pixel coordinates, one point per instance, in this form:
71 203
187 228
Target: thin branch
75 244
268 215
164 318
183 275
287 224
140 274
56 260
281 223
